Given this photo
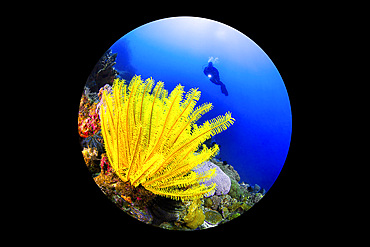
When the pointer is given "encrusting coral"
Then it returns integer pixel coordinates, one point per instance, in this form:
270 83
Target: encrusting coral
151 137
221 179
195 216
88 119
91 156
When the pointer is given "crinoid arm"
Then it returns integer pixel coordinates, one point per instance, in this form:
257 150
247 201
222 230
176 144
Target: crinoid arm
190 193
151 138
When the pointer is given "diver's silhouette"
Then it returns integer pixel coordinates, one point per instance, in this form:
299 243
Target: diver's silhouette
213 75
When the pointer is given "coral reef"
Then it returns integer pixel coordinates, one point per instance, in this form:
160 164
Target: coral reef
215 202
165 210
173 214
106 88
95 141
139 196
227 169
195 216
108 181
134 164
151 137
91 157
134 201
104 164
143 214
88 119
235 190
219 209
89 122
103 72
213 217
221 179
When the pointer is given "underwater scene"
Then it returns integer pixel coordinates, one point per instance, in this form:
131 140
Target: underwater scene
184 123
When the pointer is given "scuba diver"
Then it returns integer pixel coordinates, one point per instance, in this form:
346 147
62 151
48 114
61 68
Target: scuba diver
213 75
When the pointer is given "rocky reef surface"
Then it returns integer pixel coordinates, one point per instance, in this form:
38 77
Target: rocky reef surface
170 214
230 199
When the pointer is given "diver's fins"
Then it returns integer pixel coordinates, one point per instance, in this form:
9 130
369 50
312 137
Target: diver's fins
223 89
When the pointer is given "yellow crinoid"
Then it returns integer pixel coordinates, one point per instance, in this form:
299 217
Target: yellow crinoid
151 137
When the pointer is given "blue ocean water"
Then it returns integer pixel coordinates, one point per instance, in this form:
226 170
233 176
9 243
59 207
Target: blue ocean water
176 50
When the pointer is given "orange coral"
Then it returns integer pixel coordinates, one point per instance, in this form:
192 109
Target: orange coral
127 198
